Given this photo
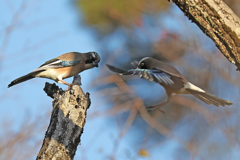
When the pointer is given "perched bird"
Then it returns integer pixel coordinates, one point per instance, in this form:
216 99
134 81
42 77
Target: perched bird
64 66
171 79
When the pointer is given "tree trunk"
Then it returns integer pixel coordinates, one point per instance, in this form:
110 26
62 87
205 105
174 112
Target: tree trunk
67 122
218 22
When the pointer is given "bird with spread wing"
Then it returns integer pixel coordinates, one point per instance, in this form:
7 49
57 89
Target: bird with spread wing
171 79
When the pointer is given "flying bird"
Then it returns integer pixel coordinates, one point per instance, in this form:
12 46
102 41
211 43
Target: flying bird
64 66
171 79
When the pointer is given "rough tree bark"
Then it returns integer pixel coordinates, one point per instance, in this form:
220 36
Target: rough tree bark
218 22
67 121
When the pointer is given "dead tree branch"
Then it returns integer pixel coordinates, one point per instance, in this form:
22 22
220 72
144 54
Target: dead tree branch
67 122
218 22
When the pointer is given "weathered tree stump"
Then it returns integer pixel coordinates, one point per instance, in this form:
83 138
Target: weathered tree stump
67 121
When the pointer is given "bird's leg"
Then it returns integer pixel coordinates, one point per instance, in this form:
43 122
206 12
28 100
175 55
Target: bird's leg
169 94
150 108
157 106
70 85
64 82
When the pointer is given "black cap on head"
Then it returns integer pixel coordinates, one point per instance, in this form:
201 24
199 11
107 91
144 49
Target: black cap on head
93 57
145 63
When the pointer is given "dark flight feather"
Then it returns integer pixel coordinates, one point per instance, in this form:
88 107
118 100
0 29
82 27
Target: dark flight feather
149 74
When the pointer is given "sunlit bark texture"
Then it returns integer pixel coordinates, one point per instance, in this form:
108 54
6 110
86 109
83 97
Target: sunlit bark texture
66 124
218 22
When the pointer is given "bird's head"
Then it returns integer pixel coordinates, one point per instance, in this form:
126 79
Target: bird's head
92 59
145 63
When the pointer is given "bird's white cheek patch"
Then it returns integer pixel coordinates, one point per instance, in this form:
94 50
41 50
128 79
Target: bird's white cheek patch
193 87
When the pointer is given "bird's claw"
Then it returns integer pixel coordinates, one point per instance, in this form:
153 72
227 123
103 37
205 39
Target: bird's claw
150 108
161 110
69 86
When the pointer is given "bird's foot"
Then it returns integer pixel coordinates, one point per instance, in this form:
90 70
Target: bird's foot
64 82
158 106
69 86
161 110
150 108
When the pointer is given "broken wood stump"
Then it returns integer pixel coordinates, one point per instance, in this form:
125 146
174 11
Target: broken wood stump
67 121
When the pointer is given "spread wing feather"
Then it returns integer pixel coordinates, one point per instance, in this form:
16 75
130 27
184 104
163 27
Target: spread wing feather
149 74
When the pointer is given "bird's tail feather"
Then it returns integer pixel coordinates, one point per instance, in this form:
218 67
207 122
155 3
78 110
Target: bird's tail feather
24 78
209 99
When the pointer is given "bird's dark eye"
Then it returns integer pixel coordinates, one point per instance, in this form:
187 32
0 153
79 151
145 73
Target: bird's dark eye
142 64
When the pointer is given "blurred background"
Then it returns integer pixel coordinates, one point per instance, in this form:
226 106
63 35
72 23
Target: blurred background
118 125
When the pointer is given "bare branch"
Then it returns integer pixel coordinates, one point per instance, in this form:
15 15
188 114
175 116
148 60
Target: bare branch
218 22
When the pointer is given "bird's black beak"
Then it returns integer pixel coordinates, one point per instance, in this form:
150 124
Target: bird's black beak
95 64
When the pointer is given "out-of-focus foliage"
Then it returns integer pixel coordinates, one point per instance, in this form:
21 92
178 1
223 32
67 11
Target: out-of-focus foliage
108 15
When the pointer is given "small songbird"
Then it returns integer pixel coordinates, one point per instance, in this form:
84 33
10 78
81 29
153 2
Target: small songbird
171 79
64 66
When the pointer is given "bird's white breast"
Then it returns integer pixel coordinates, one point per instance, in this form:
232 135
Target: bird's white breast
51 74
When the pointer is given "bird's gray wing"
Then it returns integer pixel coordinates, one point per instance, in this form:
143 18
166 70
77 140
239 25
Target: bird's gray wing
149 74
58 63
